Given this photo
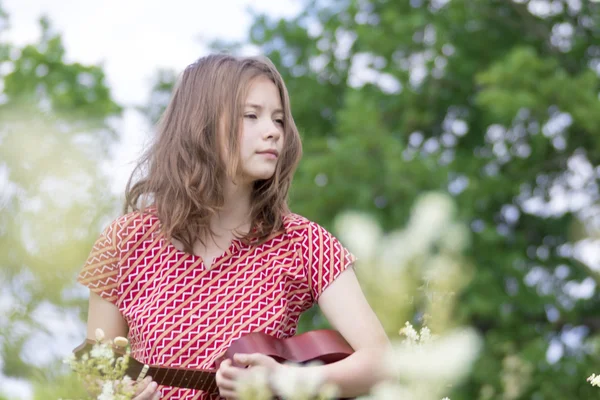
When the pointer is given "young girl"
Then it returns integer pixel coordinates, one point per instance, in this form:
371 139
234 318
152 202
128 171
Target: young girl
207 250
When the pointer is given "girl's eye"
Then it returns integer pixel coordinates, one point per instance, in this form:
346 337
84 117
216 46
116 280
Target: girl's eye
279 121
251 116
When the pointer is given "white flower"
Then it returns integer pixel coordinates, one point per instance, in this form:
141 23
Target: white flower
102 351
431 216
254 385
594 380
120 341
70 359
440 268
515 375
400 247
99 334
359 232
456 238
328 391
445 359
395 391
425 335
108 392
412 337
296 383
391 391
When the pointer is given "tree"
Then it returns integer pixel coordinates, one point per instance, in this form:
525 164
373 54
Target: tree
495 102
54 134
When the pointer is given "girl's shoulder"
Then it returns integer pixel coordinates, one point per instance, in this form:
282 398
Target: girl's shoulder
295 224
139 218
298 226
130 225
291 219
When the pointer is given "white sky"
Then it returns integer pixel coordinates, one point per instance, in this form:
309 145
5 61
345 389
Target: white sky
132 39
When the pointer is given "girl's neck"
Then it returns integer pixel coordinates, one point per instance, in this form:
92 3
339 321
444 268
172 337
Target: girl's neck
235 213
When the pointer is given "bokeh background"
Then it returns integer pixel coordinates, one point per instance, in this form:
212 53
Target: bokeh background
495 103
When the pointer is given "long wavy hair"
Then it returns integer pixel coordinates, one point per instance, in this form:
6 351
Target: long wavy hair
181 175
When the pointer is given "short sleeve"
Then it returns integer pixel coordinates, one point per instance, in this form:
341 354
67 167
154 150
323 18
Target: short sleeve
326 258
101 269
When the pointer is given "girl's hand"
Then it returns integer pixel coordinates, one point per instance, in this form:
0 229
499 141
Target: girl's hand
146 390
228 375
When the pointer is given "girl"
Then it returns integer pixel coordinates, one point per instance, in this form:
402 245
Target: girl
207 250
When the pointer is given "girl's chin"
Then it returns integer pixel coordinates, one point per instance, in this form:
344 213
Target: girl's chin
255 177
262 174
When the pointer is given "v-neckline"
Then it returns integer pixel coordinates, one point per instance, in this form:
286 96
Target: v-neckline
234 245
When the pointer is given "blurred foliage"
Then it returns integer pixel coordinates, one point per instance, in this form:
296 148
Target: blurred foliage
64 387
493 101
54 135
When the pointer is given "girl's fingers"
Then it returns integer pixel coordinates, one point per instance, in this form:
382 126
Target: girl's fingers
139 387
224 383
230 373
157 395
148 393
226 377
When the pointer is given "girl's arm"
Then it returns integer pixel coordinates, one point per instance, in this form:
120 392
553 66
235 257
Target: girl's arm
345 307
106 316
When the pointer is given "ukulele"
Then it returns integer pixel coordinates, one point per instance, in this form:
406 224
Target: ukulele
326 346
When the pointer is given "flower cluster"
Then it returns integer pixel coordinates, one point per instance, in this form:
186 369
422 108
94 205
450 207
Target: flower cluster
416 269
416 272
425 364
290 383
516 376
102 371
414 338
594 380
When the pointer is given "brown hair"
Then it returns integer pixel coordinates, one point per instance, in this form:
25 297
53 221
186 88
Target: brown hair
183 170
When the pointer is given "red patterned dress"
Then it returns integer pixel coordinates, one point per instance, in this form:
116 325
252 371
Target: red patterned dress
181 314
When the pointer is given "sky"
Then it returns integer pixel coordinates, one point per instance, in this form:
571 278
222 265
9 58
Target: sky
132 39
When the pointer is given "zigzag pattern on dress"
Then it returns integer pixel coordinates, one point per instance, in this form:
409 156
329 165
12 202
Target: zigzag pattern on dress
181 314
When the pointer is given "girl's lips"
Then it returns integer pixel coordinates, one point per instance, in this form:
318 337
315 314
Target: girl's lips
270 153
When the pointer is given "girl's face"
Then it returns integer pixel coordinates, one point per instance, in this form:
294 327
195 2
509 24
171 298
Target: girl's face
261 139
